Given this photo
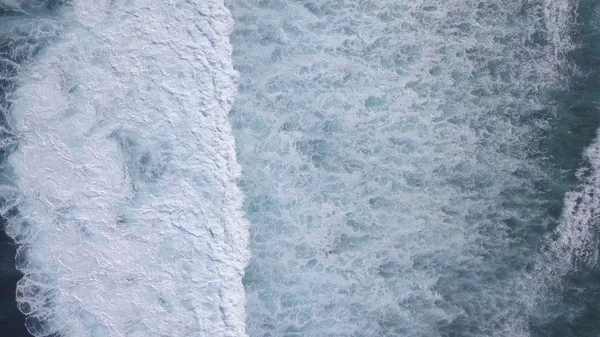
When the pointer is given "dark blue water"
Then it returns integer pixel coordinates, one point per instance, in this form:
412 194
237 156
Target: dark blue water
12 321
578 300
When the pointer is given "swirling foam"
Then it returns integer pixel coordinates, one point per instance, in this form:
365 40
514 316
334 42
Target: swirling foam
387 154
129 217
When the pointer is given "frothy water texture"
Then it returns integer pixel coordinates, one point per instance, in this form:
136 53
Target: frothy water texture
394 159
129 218
391 163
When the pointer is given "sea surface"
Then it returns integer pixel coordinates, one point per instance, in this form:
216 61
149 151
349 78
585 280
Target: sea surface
300 168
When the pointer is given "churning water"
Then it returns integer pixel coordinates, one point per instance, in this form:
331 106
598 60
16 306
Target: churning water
403 168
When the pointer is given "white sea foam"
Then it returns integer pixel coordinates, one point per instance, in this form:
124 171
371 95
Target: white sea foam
386 152
125 175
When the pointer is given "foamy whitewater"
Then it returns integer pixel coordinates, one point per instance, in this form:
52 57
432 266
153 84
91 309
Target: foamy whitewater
129 218
389 156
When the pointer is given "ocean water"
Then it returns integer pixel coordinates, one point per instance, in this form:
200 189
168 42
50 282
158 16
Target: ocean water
575 132
300 168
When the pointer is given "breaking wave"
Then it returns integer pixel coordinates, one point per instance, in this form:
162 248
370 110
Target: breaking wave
122 189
